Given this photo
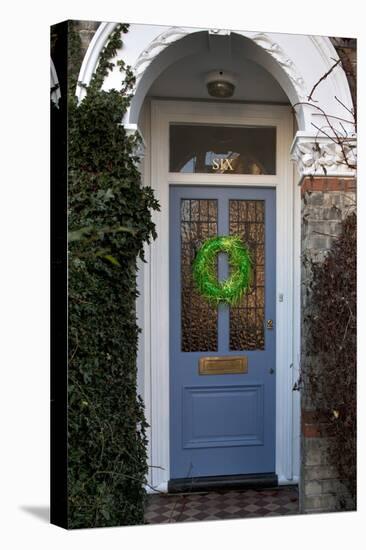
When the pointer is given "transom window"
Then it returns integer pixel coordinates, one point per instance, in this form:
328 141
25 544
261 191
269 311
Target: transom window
203 149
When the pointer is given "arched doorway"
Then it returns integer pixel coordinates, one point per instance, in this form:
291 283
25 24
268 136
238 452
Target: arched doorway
169 92
256 411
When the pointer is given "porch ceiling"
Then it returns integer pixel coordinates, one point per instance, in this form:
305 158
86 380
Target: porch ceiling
186 77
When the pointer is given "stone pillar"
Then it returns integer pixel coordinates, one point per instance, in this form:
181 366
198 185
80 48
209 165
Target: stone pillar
326 201
328 194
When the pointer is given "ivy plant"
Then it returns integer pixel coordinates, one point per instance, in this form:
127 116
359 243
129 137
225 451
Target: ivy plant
109 220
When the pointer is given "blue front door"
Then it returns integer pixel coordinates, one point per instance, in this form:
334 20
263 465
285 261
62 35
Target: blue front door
222 423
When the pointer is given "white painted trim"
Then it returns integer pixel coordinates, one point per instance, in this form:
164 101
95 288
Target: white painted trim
143 301
296 428
295 61
338 77
266 50
284 310
284 481
162 488
91 58
287 322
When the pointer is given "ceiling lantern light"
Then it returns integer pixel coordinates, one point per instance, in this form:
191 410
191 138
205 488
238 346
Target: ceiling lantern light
220 84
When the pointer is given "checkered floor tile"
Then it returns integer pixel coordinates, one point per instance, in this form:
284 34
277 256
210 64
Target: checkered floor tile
166 508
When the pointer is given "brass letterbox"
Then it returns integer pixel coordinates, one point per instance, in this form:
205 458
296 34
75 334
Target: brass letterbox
229 364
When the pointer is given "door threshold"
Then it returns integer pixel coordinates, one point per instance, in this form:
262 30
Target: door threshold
216 483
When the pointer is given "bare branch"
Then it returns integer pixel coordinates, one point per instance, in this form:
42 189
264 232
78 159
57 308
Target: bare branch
322 78
347 108
343 128
338 135
333 116
324 132
339 141
325 234
323 113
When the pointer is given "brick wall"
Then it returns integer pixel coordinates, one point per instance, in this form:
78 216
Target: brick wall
86 31
325 203
60 33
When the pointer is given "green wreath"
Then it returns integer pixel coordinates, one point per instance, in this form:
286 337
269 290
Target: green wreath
232 289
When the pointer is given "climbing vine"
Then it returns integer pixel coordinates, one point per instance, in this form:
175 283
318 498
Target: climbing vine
109 217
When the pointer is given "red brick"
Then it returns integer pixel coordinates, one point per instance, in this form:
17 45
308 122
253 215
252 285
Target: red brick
314 423
327 183
311 430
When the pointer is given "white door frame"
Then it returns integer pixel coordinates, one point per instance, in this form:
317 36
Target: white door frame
156 273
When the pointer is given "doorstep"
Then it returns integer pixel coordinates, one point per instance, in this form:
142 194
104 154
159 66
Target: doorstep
221 504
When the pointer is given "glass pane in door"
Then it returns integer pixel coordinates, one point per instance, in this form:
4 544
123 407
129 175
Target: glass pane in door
246 219
198 318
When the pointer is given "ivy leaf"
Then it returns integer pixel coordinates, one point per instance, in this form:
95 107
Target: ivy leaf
112 259
109 220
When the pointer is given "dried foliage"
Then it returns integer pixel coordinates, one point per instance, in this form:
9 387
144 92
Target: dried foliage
330 372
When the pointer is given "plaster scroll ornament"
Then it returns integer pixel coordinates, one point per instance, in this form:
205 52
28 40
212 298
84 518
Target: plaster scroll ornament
325 158
275 50
156 47
264 41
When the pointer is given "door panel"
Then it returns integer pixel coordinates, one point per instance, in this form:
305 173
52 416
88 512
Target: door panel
204 425
222 424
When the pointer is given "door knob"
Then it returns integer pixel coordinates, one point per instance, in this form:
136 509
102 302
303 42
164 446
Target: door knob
269 324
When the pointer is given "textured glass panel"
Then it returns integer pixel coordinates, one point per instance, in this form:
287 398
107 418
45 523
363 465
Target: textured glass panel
246 219
222 149
203 205
185 212
260 254
199 318
195 208
260 276
247 212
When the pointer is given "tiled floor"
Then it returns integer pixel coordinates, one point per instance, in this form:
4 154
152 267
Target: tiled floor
165 508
